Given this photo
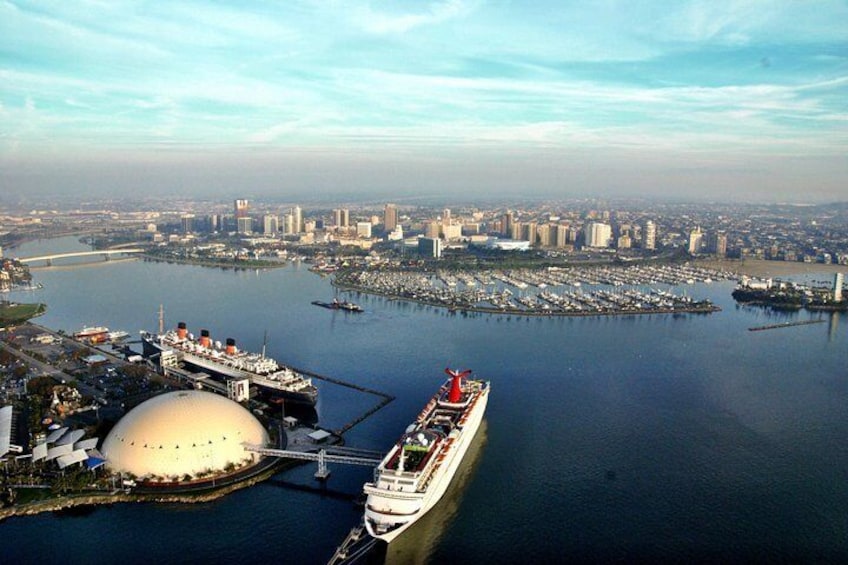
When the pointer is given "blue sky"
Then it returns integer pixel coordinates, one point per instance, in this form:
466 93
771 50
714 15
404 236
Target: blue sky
724 98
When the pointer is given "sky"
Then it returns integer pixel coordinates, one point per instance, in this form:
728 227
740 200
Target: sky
716 99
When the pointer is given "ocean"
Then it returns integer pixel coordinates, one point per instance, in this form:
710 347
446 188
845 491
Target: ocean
640 438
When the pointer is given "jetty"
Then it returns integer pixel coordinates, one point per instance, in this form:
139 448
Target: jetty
784 325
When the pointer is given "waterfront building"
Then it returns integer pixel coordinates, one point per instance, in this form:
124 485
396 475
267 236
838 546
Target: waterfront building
506 223
363 229
182 436
390 217
297 219
598 234
561 235
430 247
546 234
719 244
288 224
530 232
838 279
696 240
516 230
187 223
271 224
649 236
244 225
240 208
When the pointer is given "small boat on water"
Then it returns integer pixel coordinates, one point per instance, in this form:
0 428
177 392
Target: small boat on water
337 304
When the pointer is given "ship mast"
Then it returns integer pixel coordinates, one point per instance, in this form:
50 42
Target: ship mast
161 319
264 343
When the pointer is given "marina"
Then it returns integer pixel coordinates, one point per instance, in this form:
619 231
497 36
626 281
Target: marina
592 291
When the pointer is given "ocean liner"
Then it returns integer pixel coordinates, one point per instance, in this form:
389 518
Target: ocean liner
416 472
228 362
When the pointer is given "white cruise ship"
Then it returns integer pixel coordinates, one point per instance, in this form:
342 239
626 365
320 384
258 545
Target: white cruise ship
417 471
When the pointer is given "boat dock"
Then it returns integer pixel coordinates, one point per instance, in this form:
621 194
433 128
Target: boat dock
355 546
784 325
384 398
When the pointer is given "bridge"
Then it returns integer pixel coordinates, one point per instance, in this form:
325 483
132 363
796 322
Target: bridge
343 455
104 252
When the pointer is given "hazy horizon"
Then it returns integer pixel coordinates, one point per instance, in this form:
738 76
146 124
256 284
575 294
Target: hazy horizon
727 100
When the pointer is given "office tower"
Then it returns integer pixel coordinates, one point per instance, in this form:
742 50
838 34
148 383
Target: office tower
240 208
506 224
297 216
719 246
244 225
271 224
530 232
837 287
546 234
516 231
649 236
187 222
390 217
597 234
288 224
623 242
446 216
434 229
430 247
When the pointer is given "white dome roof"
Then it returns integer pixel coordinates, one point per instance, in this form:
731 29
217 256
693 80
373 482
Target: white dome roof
182 433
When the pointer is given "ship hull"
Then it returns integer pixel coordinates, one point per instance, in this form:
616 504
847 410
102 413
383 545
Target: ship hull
390 513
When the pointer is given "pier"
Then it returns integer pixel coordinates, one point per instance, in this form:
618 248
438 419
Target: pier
384 398
784 325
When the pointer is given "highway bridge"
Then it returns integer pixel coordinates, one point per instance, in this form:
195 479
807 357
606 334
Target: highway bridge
105 253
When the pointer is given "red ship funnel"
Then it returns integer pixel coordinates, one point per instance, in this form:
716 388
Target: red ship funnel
456 384
205 341
181 330
231 346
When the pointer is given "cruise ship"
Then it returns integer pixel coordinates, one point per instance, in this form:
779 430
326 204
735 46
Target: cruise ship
415 474
228 362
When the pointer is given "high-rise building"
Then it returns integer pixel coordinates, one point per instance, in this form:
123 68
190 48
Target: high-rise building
530 232
390 217
516 231
297 214
341 218
649 236
561 235
187 222
244 225
288 224
240 208
434 229
446 216
719 244
696 239
838 279
271 223
546 234
597 234
623 242
506 224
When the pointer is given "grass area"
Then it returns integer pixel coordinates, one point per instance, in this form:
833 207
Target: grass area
19 313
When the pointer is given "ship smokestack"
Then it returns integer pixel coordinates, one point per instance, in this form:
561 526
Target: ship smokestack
181 330
205 341
455 394
231 346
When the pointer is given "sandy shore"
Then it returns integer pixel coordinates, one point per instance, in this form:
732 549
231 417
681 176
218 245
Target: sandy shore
765 269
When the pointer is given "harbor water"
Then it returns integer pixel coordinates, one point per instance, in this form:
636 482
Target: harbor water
636 438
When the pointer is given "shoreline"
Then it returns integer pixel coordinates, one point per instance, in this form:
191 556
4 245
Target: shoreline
762 268
59 503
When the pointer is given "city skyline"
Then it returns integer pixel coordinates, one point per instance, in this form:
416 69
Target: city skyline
737 100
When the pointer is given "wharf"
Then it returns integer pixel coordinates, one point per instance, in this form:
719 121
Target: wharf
784 325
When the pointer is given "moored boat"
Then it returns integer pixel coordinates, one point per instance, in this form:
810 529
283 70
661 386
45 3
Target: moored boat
229 362
416 472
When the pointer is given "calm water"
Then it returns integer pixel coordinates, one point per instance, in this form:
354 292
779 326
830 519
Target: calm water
639 438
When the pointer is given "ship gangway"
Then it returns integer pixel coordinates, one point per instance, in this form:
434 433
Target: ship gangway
342 455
